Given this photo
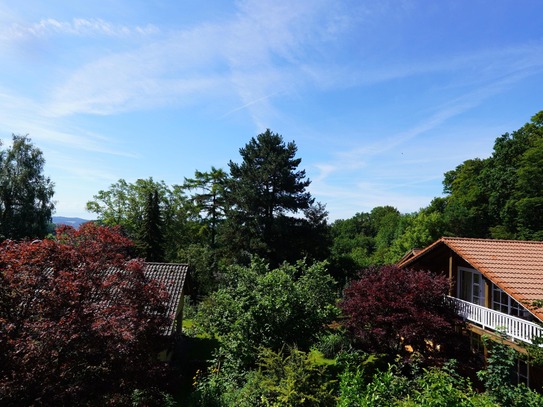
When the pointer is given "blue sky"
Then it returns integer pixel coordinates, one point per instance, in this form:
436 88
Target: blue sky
381 97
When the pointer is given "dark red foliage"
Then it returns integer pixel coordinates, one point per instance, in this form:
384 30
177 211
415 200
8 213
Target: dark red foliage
72 330
389 308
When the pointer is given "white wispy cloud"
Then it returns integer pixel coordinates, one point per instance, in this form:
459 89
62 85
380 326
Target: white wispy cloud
24 116
76 27
377 178
71 168
356 157
253 55
268 48
250 103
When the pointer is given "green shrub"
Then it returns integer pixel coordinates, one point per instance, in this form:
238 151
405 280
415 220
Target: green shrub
261 307
498 378
435 387
288 378
331 344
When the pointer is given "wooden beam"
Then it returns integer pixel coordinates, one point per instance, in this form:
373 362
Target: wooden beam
451 276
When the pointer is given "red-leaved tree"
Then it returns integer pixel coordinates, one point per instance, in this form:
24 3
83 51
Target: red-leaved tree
79 323
389 308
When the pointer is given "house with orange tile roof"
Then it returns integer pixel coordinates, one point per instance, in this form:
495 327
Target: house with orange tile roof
496 286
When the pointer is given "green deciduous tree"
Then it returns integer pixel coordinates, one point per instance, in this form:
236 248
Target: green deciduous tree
354 237
417 230
207 193
270 308
353 244
367 239
25 193
467 211
386 221
504 168
527 200
500 196
124 204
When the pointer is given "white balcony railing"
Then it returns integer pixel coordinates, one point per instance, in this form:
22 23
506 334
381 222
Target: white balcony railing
514 327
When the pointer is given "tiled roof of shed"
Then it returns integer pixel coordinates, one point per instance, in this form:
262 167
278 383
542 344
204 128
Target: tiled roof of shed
173 276
514 266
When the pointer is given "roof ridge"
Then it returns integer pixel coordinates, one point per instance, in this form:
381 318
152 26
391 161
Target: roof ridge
165 264
490 240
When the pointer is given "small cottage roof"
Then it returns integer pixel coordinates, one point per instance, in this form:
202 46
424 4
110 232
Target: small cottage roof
173 276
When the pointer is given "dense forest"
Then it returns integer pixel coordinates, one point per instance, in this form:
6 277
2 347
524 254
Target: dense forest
285 308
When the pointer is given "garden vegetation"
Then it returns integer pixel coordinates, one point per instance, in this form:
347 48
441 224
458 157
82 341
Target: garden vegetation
291 310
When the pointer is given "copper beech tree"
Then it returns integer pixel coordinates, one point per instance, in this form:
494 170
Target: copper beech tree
74 331
392 310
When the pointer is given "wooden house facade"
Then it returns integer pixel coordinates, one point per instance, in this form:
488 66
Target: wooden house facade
496 287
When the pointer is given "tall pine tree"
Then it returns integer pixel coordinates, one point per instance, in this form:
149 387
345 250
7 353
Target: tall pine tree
268 202
209 199
151 238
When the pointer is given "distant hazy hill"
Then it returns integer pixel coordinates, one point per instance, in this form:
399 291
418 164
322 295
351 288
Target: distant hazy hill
75 222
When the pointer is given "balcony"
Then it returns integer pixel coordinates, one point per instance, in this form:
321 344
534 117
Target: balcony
514 327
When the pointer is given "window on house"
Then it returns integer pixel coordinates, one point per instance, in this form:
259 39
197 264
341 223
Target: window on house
522 372
504 303
471 286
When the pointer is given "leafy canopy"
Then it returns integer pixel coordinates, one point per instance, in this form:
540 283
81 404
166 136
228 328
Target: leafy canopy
80 323
26 194
126 205
150 237
270 308
389 308
209 198
500 196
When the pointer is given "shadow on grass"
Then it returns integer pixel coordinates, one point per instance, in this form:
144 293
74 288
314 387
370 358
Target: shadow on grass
191 355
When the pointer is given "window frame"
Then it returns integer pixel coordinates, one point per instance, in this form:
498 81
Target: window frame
474 274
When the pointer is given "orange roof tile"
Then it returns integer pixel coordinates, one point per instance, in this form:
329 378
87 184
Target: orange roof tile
514 266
